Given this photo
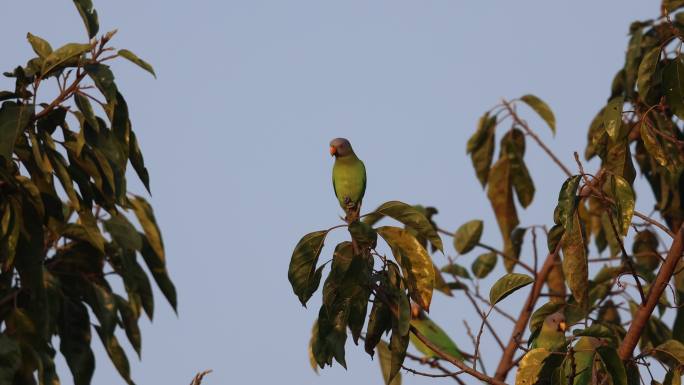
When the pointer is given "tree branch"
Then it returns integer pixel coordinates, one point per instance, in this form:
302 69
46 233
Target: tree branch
455 361
506 362
644 312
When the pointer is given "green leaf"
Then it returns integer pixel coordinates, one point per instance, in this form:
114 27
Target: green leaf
622 194
415 263
63 55
312 341
612 118
397 346
143 211
484 264
614 365
14 119
136 60
673 85
386 364
10 358
157 266
86 108
468 235
116 355
456 270
130 322
646 73
507 285
92 232
103 78
567 200
89 16
412 218
123 232
531 366
481 147
41 47
379 321
303 264
575 265
541 108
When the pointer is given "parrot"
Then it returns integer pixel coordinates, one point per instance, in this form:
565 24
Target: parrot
552 334
434 333
348 177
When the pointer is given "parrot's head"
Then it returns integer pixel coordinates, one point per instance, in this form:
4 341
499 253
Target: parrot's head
340 147
556 321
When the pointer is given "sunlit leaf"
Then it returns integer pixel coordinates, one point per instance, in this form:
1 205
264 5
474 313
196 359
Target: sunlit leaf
62 55
671 352
541 108
531 366
567 200
500 194
116 354
412 218
575 265
481 147
414 261
138 61
456 270
612 118
40 46
468 235
622 194
386 364
507 285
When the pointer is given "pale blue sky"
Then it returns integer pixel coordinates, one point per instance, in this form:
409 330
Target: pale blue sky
235 133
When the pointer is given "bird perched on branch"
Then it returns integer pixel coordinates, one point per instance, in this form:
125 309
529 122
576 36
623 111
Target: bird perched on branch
552 334
349 178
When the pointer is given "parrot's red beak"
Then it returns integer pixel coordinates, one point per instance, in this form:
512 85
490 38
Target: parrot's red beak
333 151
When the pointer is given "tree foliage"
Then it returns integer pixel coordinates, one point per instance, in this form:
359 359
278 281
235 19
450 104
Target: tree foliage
604 300
66 216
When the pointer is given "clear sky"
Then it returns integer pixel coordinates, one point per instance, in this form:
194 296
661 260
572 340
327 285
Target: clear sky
235 134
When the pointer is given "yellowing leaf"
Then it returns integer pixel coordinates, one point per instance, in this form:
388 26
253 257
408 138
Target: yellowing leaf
541 108
385 364
62 55
612 118
481 147
567 200
41 47
645 75
136 60
500 194
622 194
415 263
531 366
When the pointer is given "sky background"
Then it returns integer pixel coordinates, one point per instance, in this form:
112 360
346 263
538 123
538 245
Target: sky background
235 134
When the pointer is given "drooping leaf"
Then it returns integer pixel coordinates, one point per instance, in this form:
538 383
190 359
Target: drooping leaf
567 200
397 346
647 69
303 264
386 364
136 60
468 235
103 78
513 248
412 218
484 264
14 119
40 46
622 194
673 85
123 232
614 365
481 147
531 366
62 55
507 285
440 283
89 16
612 118
575 265
312 340
541 108
415 263
157 266
653 145
379 321
500 194
10 358
671 352
116 354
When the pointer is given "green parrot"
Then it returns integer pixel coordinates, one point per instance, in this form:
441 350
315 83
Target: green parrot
432 332
552 334
349 178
